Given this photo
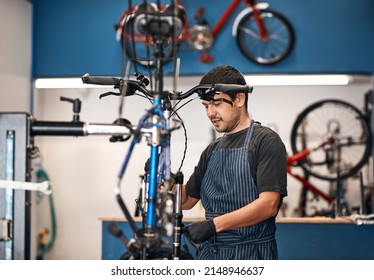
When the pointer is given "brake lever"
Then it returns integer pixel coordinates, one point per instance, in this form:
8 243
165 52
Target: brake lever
109 93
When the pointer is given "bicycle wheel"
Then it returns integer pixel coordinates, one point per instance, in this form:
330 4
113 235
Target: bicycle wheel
337 136
141 48
278 44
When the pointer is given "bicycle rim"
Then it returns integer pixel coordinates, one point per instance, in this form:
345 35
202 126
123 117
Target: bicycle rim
280 37
346 127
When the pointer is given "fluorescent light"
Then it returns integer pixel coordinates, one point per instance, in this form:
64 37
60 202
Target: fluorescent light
253 80
64 83
297 80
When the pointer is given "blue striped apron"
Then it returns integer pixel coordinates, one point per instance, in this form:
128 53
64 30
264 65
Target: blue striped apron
228 185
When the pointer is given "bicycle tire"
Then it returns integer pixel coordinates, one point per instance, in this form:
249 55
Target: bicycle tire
281 37
351 146
138 50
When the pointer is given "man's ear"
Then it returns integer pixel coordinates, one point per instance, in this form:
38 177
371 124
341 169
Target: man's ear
240 99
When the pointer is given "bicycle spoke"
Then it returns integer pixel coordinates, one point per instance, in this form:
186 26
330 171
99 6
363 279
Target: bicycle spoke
250 32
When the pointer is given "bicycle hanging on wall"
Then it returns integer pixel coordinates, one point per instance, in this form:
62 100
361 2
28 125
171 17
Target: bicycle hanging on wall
264 36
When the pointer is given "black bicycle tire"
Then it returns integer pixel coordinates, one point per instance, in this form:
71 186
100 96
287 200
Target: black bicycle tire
255 58
366 129
128 47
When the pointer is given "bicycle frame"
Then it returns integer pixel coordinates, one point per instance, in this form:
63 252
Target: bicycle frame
159 145
251 6
225 16
310 186
302 155
255 7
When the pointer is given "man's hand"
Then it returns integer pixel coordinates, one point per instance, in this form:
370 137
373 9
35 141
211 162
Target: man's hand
200 231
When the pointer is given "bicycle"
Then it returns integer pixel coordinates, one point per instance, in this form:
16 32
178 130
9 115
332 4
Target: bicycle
161 209
341 139
264 36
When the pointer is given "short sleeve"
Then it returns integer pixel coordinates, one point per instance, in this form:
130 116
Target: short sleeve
271 164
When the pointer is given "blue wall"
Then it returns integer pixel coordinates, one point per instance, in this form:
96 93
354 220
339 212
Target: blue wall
73 37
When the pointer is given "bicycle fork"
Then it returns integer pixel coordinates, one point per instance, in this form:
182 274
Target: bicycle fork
260 24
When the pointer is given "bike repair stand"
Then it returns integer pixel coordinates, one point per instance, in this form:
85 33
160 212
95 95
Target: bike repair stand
17 131
15 204
178 215
367 197
341 207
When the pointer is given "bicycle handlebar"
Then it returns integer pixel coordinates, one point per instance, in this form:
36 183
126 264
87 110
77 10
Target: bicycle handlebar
119 83
206 91
101 80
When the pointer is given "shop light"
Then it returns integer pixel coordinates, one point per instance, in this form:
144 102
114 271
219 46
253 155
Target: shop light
45 83
298 80
254 80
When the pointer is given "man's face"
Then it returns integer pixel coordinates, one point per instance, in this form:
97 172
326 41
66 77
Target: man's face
223 116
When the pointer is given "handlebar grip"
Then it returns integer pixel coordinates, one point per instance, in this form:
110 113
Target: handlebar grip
233 88
101 80
204 89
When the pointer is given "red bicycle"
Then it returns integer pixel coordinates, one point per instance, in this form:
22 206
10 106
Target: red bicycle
341 137
263 36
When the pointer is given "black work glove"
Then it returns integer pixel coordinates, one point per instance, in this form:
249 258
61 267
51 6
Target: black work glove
200 231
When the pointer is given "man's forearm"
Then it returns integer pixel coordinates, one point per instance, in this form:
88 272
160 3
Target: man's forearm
187 201
251 214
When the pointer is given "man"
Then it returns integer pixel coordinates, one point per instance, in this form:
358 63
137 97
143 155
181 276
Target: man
240 179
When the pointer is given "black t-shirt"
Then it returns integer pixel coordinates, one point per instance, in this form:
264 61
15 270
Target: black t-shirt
267 159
